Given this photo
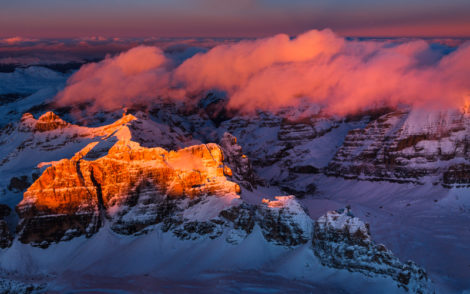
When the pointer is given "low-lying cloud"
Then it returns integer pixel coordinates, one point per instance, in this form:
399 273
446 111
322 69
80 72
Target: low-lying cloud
338 74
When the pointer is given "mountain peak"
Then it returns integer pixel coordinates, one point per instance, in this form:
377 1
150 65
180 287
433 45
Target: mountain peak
47 122
49 117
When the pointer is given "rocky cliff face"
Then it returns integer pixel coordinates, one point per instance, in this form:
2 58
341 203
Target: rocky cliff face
284 221
343 241
407 147
186 192
238 162
73 195
287 150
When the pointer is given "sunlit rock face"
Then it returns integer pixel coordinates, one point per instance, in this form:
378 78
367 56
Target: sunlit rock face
343 241
72 196
406 147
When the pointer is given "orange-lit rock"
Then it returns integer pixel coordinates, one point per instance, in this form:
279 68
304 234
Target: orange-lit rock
75 192
47 122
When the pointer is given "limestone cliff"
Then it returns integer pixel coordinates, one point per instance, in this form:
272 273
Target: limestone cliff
74 196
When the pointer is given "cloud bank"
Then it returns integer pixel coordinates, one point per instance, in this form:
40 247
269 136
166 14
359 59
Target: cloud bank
340 75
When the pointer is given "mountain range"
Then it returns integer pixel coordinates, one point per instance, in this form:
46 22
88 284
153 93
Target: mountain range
174 197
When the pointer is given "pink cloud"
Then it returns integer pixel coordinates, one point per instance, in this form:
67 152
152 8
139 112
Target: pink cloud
340 75
230 66
135 76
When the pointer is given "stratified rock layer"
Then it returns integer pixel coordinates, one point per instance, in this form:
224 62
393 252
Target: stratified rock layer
407 147
73 195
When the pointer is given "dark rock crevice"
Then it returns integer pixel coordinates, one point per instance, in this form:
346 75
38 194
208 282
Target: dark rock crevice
99 195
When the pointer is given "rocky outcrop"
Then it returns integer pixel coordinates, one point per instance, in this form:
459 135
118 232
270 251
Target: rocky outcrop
73 195
238 162
17 287
5 236
295 227
282 221
343 241
137 189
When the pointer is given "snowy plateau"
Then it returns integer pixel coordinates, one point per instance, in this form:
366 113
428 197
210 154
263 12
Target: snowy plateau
171 198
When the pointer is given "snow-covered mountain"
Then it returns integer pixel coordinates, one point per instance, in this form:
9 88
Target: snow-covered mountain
115 184
190 193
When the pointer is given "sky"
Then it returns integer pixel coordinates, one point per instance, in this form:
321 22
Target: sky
229 18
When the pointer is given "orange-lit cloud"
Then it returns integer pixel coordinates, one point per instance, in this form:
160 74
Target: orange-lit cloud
340 75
